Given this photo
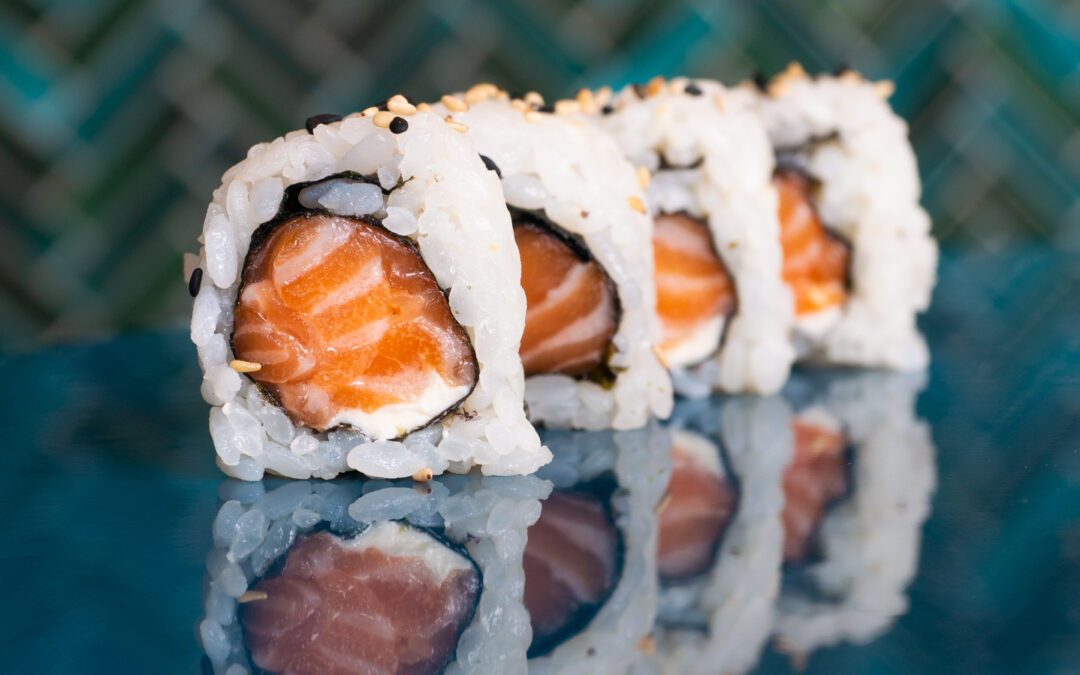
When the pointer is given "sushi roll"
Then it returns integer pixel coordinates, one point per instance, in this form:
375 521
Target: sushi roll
716 603
725 314
589 562
357 305
858 254
370 577
853 518
586 267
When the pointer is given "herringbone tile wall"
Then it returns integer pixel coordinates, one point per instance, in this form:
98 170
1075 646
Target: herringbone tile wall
118 117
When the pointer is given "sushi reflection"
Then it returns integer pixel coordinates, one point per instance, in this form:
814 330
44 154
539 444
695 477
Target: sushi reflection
686 547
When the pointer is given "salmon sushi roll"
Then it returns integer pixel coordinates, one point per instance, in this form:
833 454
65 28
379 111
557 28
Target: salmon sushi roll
858 254
354 577
357 306
857 492
716 615
703 152
586 267
589 562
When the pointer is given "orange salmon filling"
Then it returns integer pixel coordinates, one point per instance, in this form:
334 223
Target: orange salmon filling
698 508
693 288
815 261
569 562
336 610
816 477
344 316
571 312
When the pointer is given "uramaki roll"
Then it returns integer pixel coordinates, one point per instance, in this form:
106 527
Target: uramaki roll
359 306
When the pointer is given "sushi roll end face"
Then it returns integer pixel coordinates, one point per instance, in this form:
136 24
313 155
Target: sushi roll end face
349 327
392 599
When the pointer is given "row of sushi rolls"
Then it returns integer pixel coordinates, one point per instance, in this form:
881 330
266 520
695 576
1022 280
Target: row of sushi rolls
483 308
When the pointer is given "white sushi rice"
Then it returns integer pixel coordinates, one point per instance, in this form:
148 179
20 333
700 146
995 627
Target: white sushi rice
641 464
566 167
736 599
254 528
841 131
453 209
731 190
870 541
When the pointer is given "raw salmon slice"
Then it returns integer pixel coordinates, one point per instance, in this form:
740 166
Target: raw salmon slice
350 327
358 606
695 512
570 562
815 260
571 307
694 292
816 477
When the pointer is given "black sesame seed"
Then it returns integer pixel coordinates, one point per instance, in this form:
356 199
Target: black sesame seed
547 108
491 165
608 109
759 80
316 120
195 282
693 89
398 125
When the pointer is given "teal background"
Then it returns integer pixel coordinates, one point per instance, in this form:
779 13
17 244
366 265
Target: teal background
117 117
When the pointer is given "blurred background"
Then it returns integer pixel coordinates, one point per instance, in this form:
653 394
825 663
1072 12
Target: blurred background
118 117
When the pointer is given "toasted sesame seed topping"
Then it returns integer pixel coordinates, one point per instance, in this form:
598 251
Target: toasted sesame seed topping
533 116
249 596
195 282
653 86
245 366
422 475
454 104
602 96
424 107
455 125
718 101
398 125
643 177
636 203
850 76
383 118
567 107
884 89
533 98
368 112
480 92
519 105
316 120
400 105
584 97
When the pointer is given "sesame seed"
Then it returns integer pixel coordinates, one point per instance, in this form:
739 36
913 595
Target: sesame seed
546 108
653 87
718 101
693 89
383 118
424 107
316 120
636 203
455 125
454 104
249 596
368 112
643 177
603 95
398 125
533 116
195 282
567 107
245 366
884 89
480 92
491 165
422 475
584 98
533 98
519 105
608 109
400 105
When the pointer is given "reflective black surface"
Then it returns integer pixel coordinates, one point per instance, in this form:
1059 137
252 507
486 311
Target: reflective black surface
110 491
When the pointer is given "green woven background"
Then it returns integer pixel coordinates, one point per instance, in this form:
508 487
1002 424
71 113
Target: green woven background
117 118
